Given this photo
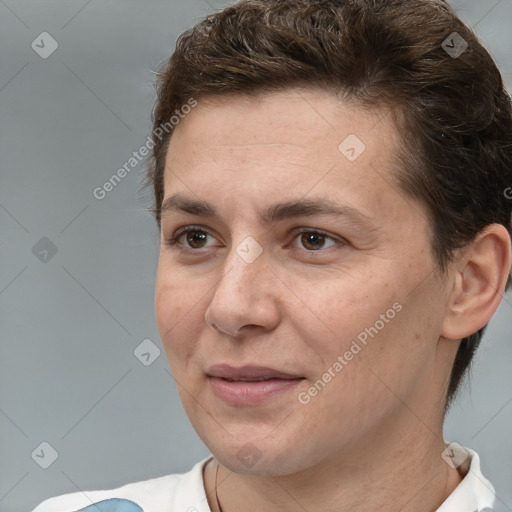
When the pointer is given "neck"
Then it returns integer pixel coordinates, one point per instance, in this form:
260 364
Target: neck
395 472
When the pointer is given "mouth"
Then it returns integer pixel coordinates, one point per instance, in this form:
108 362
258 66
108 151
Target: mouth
248 373
249 385
246 379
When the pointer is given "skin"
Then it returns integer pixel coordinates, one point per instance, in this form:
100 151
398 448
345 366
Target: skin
372 438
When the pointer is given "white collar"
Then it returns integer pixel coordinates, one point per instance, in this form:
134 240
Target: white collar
474 494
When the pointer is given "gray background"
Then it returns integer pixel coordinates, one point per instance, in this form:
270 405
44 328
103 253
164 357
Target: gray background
70 325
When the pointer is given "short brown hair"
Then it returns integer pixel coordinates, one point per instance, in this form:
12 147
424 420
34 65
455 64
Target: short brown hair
453 112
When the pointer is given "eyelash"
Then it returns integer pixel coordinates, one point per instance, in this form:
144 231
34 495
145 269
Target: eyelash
173 241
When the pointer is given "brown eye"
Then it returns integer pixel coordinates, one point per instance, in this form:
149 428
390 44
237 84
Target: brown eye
196 239
191 238
315 241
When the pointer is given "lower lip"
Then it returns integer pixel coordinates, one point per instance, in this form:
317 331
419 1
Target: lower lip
250 393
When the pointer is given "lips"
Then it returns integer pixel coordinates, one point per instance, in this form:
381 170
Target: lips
249 385
249 373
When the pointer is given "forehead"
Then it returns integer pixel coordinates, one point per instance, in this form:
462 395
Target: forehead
296 140
288 119
291 125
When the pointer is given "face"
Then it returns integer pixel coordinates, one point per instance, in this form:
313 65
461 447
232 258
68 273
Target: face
295 297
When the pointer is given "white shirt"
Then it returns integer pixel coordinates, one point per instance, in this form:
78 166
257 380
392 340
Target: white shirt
185 493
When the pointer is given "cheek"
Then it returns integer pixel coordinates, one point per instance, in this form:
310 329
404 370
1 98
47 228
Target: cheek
345 310
359 344
176 313
167 308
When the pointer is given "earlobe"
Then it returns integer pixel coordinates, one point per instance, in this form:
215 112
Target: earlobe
481 273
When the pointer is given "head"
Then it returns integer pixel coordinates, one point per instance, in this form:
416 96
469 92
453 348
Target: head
267 94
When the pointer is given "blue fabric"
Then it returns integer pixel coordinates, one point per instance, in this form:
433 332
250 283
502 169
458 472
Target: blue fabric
112 505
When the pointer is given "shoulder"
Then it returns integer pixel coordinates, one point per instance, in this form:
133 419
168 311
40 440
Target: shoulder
133 497
154 495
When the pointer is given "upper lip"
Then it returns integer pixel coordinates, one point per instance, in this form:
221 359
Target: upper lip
225 371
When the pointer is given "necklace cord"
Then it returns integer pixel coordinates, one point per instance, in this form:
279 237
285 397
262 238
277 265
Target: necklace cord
216 493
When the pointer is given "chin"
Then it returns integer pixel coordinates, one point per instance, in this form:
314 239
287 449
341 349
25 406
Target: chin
261 455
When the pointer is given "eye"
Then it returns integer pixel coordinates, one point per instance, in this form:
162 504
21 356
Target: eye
196 237
191 237
315 240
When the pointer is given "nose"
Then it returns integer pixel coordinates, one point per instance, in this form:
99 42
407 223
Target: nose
245 297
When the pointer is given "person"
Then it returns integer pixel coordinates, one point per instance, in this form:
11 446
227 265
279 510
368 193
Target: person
332 189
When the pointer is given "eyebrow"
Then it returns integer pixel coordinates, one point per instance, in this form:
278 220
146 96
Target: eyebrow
272 213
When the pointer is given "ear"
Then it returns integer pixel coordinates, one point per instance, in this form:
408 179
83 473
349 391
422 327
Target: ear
479 277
